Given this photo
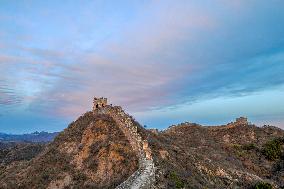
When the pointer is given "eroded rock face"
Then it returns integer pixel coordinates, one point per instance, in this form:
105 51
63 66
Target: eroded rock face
60 183
164 154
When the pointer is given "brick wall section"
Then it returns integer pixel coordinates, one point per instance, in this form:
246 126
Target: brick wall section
144 177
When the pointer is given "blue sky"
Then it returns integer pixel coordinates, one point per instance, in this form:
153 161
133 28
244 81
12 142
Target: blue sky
164 61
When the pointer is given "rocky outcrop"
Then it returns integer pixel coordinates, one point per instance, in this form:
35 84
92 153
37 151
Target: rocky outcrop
144 177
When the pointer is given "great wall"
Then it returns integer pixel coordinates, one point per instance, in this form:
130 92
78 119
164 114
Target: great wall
144 177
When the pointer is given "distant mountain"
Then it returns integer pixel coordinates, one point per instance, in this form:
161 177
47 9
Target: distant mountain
32 137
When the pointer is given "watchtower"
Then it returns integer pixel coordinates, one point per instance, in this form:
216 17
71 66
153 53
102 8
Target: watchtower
242 120
99 102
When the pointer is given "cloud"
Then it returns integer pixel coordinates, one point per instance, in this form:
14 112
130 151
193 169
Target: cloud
8 96
237 78
167 54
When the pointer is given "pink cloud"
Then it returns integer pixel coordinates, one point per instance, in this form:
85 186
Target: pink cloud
137 71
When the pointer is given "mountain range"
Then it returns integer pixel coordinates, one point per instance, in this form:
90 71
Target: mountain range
31 137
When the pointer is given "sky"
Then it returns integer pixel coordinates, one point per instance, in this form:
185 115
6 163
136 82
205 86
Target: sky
164 62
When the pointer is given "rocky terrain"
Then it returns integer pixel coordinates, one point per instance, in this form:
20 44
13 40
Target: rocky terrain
91 153
107 148
238 155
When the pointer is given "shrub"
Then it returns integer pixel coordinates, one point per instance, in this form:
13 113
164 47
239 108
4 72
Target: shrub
279 166
272 149
79 177
250 146
237 146
178 182
263 185
242 150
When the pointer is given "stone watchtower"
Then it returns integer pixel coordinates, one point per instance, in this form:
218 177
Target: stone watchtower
99 102
242 120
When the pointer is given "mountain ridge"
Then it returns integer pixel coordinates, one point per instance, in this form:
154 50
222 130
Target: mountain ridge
107 148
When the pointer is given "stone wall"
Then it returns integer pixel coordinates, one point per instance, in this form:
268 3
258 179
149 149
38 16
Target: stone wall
144 177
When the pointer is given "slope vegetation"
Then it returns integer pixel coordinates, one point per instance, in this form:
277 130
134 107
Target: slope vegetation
242 156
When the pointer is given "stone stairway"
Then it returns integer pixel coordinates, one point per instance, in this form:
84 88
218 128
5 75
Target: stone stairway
144 177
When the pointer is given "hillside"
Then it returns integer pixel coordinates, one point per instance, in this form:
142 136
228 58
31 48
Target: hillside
238 155
14 152
91 152
107 148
